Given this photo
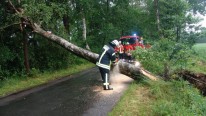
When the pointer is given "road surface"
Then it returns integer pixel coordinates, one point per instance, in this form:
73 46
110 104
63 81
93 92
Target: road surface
77 95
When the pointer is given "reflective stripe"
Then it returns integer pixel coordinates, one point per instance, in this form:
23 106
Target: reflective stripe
106 75
106 47
105 83
105 50
103 65
102 55
113 54
106 79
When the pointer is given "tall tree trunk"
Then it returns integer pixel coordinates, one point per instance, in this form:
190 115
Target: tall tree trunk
24 35
125 68
26 56
156 4
25 45
178 33
66 22
84 31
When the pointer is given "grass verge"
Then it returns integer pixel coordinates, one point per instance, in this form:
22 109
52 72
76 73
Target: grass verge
149 98
165 98
135 102
16 84
197 62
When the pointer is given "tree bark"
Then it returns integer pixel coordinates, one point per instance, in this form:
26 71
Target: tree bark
88 55
26 54
124 67
156 4
178 33
66 22
84 31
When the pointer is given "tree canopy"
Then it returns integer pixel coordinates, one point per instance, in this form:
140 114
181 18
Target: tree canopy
104 20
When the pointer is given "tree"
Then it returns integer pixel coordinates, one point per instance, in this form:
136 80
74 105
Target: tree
197 6
102 20
125 68
82 8
22 29
38 51
156 4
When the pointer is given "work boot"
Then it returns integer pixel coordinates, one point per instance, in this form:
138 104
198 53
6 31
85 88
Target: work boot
107 87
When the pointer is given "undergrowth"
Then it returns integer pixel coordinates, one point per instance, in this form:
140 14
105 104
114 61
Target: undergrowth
160 98
165 98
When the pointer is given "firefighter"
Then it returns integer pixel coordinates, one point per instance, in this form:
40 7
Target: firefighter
120 50
106 56
128 55
141 44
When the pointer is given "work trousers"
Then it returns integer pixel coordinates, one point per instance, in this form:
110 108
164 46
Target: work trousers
121 55
105 75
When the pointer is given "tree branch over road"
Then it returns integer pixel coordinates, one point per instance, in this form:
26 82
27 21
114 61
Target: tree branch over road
124 67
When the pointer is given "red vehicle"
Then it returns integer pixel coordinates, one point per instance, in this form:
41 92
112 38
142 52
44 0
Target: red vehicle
134 41
129 43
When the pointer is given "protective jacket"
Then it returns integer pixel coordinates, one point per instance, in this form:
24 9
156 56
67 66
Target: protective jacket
106 57
121 49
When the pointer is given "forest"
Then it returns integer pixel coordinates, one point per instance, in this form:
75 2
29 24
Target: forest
89 24
171 27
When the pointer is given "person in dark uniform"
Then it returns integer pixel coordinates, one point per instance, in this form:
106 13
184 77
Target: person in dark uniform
107 56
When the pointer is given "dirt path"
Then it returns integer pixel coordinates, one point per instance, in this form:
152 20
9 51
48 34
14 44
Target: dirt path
77 95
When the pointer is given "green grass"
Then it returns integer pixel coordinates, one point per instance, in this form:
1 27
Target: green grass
135 102
200 49
16 84
198 59
200 46
160 98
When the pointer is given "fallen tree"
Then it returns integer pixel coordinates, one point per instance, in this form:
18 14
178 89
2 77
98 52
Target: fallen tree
124 67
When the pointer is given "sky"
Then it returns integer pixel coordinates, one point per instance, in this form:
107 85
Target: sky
203 23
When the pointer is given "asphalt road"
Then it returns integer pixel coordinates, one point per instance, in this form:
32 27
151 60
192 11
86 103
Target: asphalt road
77 95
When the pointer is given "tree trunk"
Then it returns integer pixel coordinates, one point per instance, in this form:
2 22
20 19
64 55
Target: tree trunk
132 70
66 22
124 67
84 31
88 55
178 33
156 4
25 46
26 56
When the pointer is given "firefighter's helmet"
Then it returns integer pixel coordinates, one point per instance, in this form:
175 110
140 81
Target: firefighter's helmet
115 42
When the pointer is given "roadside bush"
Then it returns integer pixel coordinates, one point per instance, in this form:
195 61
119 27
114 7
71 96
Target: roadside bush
34 72
164 57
